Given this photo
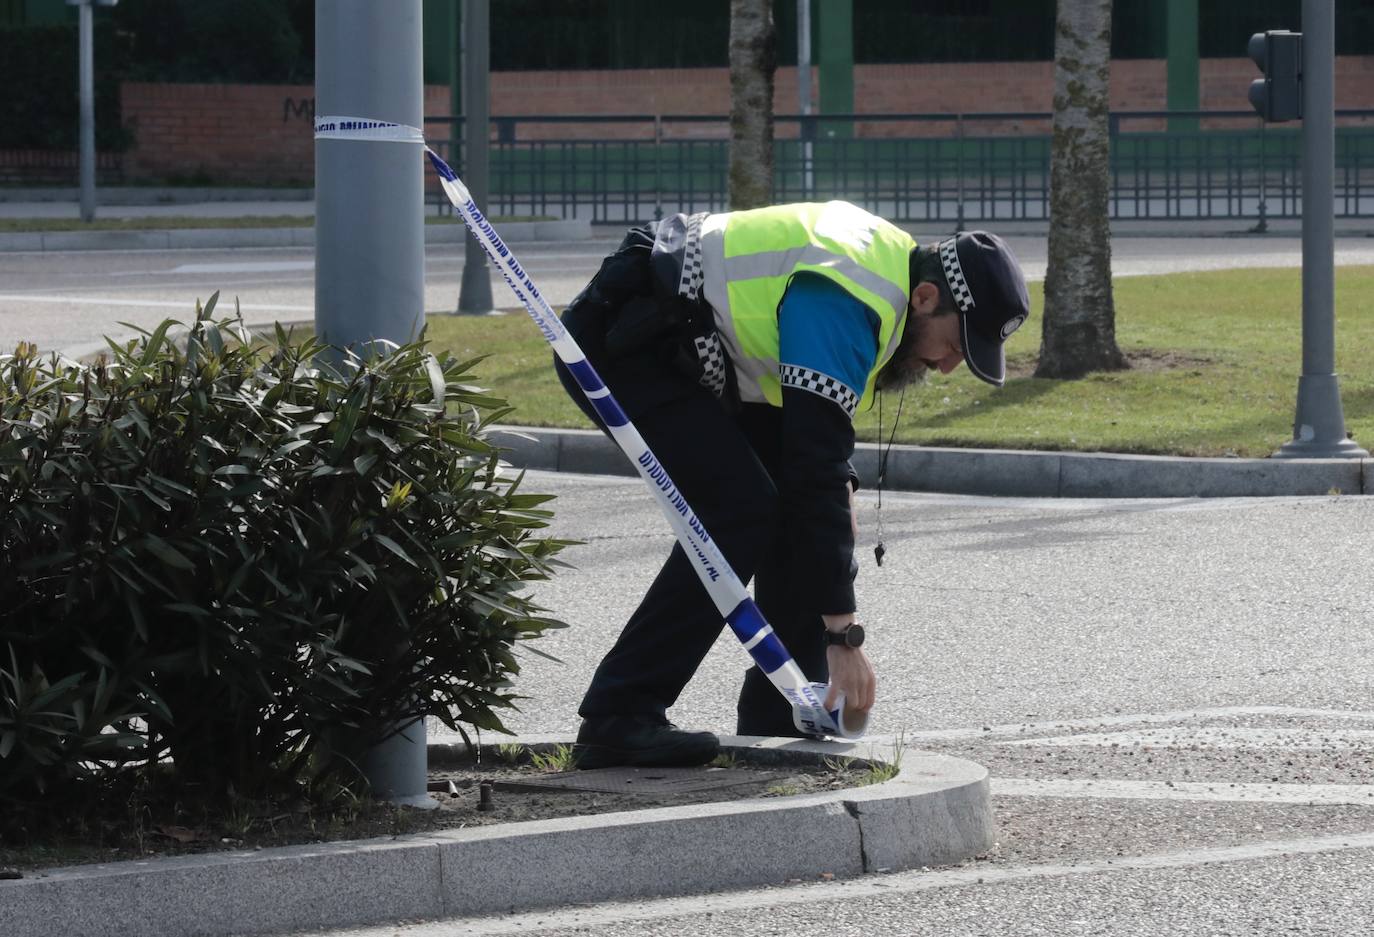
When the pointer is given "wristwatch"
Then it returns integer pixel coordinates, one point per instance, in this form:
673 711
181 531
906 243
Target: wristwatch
851 636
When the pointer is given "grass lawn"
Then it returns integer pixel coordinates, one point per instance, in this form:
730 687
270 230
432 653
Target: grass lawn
169 222
1216 358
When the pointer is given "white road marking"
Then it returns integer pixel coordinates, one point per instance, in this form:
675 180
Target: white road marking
1360 795
1132 719
1176 737
869 886
1314 739
144 303
265 266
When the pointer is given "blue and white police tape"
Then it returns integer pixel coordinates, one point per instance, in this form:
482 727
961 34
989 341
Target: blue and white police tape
731 599
359 128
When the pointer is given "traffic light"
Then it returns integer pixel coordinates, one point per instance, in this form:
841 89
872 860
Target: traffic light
1278 95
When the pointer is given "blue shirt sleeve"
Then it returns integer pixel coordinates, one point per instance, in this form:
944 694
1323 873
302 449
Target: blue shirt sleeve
828 343
828 340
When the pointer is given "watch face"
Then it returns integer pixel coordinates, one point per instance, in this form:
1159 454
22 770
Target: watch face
852 636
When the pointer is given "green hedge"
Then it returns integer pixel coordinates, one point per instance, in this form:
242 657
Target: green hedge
250 562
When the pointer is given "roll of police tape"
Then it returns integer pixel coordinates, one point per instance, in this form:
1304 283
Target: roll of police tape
362 128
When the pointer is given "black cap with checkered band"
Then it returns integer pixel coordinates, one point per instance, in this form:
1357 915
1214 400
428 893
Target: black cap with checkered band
990 293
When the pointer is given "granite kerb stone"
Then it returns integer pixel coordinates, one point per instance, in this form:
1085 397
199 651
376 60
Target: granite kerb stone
1003 472
936 810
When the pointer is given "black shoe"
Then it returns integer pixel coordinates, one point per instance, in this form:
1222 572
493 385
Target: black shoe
640 741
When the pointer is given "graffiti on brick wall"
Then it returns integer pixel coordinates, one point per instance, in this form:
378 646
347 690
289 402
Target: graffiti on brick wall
298 108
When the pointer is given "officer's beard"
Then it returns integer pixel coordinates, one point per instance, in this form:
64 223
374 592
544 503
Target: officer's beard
904 368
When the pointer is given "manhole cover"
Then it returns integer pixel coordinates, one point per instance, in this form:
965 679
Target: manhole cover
639 780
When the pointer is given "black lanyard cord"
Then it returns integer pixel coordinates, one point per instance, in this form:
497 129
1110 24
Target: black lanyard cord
879 550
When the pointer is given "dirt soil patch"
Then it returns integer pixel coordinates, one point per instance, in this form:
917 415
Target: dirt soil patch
1139 359
136 820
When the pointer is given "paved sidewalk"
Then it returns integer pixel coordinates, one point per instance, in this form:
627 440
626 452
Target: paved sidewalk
216 204
216 207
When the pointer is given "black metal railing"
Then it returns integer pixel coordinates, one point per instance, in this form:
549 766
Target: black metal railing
946 168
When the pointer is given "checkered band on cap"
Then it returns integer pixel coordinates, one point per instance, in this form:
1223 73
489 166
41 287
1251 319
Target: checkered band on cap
820 384
692 276
954 276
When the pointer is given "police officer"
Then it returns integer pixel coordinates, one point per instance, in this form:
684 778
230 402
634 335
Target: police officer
741 344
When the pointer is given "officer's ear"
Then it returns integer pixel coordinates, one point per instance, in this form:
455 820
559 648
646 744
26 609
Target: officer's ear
925 298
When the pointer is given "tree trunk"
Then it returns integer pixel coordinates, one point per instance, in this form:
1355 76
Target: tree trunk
1078 334
753 58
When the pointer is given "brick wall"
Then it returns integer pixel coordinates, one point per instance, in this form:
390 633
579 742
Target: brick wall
219 133
261 134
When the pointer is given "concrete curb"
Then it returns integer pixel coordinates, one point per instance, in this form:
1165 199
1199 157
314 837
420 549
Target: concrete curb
1002 472
114 195
935 812
181 238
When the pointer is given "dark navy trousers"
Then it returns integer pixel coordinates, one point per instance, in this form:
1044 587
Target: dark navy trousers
724 461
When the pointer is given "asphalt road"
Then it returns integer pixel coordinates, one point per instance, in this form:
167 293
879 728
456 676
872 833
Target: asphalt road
68 301
1173 698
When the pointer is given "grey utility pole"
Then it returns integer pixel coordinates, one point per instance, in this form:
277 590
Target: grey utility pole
474 296
369 237
86 82
1319 426
804 91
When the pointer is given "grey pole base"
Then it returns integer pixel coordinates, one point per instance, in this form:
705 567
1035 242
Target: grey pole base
393 767
1319 428
474 295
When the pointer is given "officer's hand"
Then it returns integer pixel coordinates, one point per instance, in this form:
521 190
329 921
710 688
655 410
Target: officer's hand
851 673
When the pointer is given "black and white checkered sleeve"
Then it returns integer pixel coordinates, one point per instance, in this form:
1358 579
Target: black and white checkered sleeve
692 275
822 385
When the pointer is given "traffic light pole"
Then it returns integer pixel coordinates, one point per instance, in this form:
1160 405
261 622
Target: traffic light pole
1319 425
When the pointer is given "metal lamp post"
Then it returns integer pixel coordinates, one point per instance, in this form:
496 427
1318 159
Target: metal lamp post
369 240
86 90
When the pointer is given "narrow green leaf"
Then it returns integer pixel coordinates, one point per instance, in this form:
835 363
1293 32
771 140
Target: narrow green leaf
394 547
544 654
154 342
168 553
436 378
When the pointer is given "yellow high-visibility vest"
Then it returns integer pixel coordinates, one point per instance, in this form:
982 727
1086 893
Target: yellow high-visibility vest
748 258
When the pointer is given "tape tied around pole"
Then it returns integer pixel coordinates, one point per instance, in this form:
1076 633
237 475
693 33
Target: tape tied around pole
365 129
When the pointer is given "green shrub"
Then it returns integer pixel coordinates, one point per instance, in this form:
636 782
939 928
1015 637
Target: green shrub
249 560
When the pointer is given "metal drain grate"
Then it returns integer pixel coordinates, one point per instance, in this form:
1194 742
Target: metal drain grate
647 781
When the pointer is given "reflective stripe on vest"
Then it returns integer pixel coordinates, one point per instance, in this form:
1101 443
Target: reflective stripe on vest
749 256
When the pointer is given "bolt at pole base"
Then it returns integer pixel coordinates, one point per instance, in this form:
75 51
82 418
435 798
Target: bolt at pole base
1319 427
